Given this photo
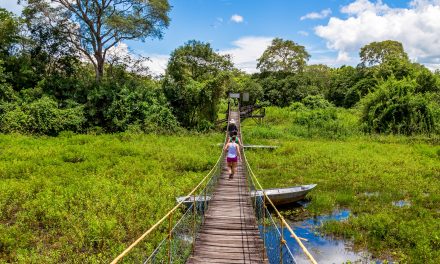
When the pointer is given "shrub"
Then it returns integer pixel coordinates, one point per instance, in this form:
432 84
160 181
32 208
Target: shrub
316 102
42 117
330 122
395 108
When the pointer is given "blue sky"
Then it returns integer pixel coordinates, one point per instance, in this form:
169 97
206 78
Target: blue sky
332 31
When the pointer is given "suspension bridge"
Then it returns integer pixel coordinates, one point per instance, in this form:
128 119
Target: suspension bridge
224 224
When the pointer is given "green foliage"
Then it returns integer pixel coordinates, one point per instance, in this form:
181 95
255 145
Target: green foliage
362 173
196 79
359 90
85 198
314 80
283 56
341 81
278 88
104 24
394 68
9 28
325 122
380 52
395 108
143 105
306 122
7 93
427 82
41 117
242 83
314 102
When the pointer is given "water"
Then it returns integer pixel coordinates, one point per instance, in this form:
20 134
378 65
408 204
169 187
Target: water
402 203
324 249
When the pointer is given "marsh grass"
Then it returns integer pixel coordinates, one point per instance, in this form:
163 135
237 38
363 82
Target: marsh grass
84 199
364 173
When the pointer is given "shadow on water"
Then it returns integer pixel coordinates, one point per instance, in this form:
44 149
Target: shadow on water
325 249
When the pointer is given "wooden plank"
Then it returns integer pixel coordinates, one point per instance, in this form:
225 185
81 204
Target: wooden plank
230 233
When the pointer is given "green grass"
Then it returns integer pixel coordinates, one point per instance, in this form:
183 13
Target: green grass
363 173
84 199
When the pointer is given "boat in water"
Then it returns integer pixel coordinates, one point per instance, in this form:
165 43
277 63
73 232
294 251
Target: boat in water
278 196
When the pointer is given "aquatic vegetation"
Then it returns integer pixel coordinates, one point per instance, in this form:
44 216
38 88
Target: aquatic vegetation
364 173
83 198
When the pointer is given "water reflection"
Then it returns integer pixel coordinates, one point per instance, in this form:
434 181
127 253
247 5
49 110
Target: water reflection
323 248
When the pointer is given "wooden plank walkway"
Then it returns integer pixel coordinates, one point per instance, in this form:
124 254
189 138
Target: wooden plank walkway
230 233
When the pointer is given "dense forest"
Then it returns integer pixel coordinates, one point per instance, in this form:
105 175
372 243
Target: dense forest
55 76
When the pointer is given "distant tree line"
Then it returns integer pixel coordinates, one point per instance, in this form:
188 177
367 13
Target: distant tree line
56 74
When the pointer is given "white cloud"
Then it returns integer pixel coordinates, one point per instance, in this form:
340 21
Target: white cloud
303 33
120 50
246 52
416 27
361 6
157 63
237 18
244 55
12 6
323 14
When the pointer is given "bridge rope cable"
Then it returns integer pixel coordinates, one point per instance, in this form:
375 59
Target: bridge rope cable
210 173
298 240
254 177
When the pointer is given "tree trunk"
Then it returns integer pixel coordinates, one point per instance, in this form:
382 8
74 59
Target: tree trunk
99 69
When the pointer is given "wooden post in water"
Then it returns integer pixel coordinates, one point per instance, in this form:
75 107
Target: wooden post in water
281 241
264 226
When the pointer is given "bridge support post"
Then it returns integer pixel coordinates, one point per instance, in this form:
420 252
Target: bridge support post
194 222
264 227
170 234
204 203
281 241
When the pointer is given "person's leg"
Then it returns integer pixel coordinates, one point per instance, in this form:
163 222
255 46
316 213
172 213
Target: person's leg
234 171
229 168
234 165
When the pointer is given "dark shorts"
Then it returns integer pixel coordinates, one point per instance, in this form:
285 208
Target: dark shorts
231 159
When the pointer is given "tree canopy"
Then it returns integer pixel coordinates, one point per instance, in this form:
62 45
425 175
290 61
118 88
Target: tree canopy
283 56
379 52
94 27
196 79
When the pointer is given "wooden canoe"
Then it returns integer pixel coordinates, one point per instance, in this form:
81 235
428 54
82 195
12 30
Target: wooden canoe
278 196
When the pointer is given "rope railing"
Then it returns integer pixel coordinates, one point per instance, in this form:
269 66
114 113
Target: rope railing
195 211
179 240
260 202
263 215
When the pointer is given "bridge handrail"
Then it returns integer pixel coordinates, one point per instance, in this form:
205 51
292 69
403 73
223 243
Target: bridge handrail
298 240
255 180
158 223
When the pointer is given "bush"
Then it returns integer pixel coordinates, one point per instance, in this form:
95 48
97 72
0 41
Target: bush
395 108
316 102
42 117
330 122
160 119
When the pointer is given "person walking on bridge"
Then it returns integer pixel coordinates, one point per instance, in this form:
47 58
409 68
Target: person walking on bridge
233 156
232 127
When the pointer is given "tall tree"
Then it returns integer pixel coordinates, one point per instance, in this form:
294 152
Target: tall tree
195 80
379 52
9 28
95 26
283 56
